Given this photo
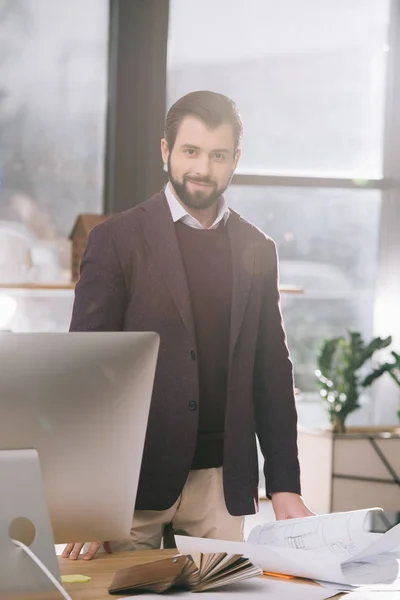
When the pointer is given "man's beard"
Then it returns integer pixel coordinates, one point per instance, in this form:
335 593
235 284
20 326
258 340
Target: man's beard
199 200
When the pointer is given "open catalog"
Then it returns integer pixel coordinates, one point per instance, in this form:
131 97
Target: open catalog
336 548
196 572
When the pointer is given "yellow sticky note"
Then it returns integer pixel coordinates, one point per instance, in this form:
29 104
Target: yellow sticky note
75 579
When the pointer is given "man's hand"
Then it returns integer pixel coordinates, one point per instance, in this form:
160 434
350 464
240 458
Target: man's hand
288 505
73 551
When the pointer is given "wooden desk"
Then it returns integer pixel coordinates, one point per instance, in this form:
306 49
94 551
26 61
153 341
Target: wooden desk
102 570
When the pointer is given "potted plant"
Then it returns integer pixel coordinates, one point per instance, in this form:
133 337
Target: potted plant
357 467
339 374
392 368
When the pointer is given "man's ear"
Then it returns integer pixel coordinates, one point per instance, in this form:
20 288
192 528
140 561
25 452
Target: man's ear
164 151
238 154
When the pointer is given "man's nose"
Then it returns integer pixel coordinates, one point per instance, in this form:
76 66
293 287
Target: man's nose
203 167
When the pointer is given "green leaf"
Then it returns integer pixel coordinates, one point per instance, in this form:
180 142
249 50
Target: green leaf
374 346
393 368
327 352
378 372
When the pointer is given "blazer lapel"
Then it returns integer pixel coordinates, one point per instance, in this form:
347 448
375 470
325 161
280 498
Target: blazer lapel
243 257
159 231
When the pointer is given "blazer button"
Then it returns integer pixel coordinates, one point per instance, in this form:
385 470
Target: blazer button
193 405
193 355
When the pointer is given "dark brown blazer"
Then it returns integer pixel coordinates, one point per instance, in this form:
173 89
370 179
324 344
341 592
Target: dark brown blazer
133 279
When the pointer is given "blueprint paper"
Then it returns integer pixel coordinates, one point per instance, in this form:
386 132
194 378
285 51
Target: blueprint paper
334 548
338 534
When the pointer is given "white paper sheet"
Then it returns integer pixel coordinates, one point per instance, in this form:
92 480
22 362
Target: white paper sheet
342 565
364 595
262 588
387 566
344 540
387 542
367 589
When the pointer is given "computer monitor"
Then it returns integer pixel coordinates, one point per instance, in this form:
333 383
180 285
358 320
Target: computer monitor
81 400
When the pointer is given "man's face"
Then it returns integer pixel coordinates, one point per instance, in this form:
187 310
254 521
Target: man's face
201 163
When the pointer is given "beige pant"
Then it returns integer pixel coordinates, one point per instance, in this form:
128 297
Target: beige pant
200 511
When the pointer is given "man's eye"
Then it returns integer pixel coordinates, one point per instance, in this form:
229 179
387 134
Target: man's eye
219 156
190 151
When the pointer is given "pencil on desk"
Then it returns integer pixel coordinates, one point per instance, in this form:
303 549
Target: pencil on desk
279 575
297 579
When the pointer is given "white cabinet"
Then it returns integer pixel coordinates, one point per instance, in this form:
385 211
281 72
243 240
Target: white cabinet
359 469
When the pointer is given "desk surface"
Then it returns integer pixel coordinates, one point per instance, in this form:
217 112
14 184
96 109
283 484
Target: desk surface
102 570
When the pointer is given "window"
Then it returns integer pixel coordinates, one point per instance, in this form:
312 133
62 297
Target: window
53 86
308 78
328 245
52 116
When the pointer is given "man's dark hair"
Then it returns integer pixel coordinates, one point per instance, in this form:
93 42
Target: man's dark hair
211 108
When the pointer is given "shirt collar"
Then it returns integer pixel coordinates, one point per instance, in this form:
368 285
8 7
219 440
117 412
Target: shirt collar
179 213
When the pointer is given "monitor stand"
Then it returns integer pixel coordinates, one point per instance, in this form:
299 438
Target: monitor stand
24 516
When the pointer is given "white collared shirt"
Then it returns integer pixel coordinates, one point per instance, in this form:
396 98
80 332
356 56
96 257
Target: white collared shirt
179 213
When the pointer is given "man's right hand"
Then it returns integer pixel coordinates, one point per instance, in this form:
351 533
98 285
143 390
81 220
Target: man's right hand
73 551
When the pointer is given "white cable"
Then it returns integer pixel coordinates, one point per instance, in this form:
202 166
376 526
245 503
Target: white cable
43 567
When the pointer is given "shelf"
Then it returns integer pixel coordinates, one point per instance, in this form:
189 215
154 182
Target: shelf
291 289
37 286
31 285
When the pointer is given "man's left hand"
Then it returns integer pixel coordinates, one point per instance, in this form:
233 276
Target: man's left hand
288 505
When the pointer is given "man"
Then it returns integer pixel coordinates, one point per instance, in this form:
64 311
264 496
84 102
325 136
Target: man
186 266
